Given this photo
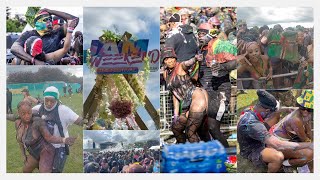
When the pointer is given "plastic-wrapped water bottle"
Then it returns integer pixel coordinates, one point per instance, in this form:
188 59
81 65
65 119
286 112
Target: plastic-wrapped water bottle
215 67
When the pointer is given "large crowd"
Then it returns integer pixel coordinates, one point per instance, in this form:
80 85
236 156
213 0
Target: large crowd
123 161
269 54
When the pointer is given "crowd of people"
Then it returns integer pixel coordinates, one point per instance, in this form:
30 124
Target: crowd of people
123 161
51 42
199 52
272 51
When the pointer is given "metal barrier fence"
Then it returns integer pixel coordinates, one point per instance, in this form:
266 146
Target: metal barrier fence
228 123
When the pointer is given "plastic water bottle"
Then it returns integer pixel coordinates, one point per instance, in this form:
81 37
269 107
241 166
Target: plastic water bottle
215 67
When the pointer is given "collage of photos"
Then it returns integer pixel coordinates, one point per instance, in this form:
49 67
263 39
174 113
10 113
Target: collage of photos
159 90
275 90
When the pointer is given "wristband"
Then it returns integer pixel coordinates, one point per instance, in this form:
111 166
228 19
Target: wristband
70 30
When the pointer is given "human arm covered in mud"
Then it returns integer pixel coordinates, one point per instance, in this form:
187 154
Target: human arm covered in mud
297 126
18 51
188 63
41 125
60 53
64 16
287 145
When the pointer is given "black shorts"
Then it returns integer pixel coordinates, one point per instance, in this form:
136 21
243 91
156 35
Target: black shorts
256 158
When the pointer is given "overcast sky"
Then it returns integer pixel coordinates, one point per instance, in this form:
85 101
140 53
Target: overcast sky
141 22
287 17
120 136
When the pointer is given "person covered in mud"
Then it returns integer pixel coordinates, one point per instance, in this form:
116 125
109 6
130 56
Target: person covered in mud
297 127
256 143
42 45
304 78
244 35
211 85
34 137
190 102
257 64
58 118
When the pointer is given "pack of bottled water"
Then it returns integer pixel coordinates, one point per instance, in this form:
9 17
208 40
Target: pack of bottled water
202 157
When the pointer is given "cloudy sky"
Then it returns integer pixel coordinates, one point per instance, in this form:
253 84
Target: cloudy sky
74 70
287 17
120 136
141 22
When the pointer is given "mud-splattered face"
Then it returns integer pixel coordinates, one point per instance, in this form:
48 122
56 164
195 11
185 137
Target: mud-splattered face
254 52
306 112
25 113
300 37
170 62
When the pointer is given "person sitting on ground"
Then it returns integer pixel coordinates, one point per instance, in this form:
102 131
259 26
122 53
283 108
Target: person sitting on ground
297 127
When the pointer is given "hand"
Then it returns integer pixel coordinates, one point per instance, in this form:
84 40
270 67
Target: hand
65 60
175 118
199 57
70 140
72 23
241 59
269 76
50 62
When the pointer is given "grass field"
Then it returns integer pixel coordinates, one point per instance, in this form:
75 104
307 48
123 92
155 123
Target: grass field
246 100
74 162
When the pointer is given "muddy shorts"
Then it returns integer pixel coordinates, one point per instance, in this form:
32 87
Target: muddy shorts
256 158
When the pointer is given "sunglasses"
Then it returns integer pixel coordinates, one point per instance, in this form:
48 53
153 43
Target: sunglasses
46 19
306 109
242 25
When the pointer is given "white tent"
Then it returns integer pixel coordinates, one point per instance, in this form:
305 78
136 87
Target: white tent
155 147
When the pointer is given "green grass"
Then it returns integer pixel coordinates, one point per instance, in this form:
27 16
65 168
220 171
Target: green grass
74 162
246 100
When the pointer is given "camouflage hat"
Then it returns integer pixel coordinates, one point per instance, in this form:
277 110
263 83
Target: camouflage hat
306 99
168 52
